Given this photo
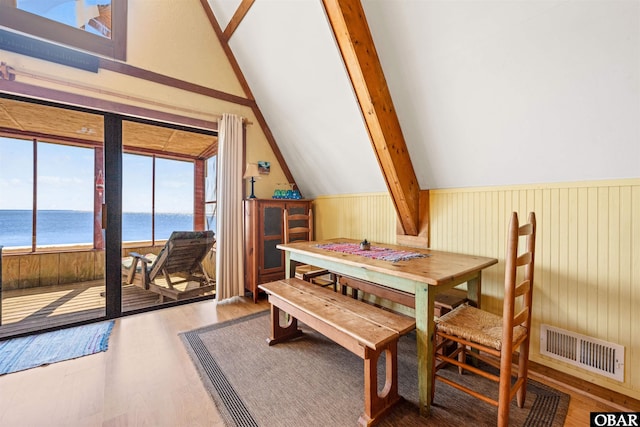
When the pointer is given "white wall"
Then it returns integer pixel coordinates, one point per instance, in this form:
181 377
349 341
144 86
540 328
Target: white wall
505 92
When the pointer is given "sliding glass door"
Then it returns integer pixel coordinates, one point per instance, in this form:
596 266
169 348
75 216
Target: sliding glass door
167 253
50 223
80 193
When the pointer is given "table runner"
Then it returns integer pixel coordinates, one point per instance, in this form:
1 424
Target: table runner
376 252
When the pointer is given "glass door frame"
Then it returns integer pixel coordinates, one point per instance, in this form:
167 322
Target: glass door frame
112 210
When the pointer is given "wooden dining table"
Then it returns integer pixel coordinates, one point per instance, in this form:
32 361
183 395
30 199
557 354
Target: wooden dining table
424 276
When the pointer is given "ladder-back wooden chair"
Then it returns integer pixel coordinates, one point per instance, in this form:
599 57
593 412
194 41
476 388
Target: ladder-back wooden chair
482 336
300 227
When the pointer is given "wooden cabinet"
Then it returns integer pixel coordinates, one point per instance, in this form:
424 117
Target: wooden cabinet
263 231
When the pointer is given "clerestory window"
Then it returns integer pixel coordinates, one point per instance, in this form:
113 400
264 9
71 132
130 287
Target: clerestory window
96 26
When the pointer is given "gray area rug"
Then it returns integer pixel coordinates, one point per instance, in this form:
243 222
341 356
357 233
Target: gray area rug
312 381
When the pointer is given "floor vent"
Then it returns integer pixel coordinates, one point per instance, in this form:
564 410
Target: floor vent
592 354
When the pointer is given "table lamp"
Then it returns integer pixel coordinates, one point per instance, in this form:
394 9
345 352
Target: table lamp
252 172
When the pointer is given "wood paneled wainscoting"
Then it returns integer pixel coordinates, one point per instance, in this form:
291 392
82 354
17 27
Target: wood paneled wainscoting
587 277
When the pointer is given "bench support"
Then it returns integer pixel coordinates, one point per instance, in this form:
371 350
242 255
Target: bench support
378 405
281 333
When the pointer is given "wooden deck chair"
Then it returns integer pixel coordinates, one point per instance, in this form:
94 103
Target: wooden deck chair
176 272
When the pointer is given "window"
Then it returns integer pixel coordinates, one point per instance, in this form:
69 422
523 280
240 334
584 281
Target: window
162 181
137 197
174 197
65 195
98 26
93 16
211 191
157 197
59 201
16 192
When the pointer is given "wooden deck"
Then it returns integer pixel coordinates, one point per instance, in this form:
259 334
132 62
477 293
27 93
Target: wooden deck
29 310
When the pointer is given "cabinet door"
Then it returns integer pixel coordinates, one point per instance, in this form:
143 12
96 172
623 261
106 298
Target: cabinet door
271 258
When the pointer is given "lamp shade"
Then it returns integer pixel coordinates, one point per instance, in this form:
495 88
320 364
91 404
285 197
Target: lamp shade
251 171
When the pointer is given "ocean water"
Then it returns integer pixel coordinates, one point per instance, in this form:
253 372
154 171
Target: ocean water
56 227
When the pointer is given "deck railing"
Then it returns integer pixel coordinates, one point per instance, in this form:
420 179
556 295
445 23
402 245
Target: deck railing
58 266
61 266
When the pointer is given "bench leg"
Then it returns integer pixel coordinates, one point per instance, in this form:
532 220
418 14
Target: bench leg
281 333
377 405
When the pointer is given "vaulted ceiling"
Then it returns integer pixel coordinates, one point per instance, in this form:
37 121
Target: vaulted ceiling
485 92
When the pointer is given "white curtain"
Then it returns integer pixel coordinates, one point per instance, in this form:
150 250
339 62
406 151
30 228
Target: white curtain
230 254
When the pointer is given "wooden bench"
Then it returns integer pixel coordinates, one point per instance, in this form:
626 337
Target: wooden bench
363 329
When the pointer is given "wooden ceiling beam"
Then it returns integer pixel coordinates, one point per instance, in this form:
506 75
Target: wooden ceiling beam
237 18
351 31
245 86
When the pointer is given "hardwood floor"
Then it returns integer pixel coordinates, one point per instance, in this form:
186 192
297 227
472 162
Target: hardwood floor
146 378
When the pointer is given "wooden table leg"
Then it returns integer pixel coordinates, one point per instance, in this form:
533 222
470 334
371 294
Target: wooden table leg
289 266
425 302
474 290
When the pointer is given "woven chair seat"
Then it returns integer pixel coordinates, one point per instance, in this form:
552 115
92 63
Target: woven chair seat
476 325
